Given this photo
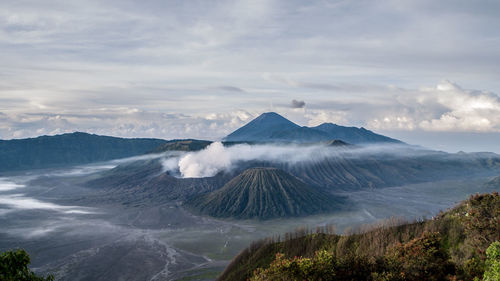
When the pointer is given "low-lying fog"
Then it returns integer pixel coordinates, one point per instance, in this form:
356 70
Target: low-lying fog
46 213
217 157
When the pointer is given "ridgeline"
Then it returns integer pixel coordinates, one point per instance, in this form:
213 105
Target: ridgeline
451 246
264 193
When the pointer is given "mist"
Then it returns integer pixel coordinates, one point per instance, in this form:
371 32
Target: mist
21 202
6 185
218 158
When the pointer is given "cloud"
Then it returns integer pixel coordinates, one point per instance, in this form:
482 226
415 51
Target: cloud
446 107
298 104
231 89
124 122
319 117
157 69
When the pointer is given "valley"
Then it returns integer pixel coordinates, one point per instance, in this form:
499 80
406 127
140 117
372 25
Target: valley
72 235
183 209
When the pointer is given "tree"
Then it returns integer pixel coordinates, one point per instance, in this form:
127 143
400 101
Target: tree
14 267
492 271
422 258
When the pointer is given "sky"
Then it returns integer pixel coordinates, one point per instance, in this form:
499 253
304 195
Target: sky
426 72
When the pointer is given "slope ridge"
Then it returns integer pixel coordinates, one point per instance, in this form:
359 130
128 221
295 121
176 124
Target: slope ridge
450 246
263 193
262 128
69 149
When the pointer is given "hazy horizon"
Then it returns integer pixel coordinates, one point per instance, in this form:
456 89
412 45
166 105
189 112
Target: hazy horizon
425 72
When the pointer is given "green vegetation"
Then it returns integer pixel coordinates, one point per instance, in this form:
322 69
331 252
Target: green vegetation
183 145
492 271
264 193
14 267
459 244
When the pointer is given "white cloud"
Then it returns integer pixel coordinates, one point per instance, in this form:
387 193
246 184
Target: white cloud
318 117
174 69
446 107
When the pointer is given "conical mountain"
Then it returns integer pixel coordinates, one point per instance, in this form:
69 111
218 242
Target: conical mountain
262 128
264 193
272 127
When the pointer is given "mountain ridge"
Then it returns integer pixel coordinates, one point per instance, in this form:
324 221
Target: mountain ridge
272 127
69 149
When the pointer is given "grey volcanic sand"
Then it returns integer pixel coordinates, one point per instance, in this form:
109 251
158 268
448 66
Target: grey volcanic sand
75 237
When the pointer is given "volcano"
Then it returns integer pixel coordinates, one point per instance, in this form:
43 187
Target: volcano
264 193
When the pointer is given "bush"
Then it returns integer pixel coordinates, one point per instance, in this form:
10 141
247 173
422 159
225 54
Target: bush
320 267
14 267
451 246
492 271
420 259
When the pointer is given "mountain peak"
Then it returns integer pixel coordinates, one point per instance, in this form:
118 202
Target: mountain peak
272 127
262 128
273 117
264 193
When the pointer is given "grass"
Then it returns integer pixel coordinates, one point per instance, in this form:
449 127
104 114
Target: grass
461 234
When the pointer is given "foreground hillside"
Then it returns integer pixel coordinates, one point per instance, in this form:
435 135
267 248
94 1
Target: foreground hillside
69 149
451 246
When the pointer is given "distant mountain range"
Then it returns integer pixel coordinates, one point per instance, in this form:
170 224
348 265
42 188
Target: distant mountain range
69 149
268 189
81 148
264 193
272 127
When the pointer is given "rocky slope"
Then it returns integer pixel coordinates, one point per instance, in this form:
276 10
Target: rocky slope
263 193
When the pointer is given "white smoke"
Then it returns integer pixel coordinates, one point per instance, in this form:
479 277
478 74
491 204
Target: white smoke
205 163
216 157
170 164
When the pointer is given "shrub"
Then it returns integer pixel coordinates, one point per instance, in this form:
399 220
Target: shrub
492 271
420 259
321 268
14 267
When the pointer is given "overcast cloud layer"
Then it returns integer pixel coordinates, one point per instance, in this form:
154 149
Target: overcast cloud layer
177 69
